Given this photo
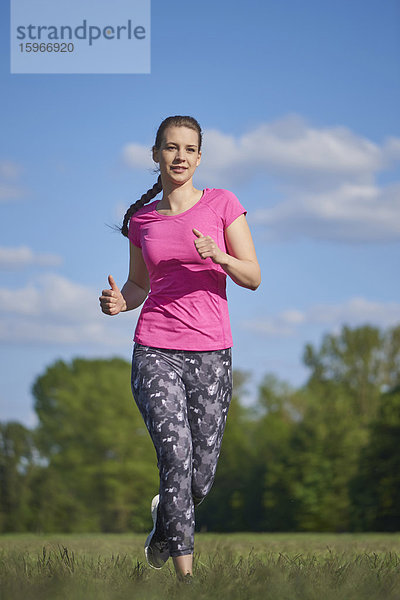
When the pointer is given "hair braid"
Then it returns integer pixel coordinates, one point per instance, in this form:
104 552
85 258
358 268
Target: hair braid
149 195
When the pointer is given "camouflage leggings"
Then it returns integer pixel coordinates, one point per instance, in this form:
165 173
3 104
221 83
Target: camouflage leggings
183 397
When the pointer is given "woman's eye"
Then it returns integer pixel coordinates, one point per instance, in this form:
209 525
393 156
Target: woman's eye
174 148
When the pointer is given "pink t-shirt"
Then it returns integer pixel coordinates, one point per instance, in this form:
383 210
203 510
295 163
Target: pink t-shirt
186 308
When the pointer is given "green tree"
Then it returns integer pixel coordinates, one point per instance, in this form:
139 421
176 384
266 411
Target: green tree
278 410
325 447
16 472
392 358
101 462
348 373
376 487
356 360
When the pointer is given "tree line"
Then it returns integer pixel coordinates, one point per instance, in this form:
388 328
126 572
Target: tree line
322 457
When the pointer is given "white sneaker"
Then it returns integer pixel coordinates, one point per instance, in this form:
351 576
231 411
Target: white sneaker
156 547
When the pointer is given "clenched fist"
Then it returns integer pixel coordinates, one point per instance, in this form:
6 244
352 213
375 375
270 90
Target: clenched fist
206 247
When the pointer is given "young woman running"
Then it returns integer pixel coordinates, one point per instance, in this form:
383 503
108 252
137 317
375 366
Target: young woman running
181 249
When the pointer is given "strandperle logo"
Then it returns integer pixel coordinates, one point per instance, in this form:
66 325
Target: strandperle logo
84 31
80 36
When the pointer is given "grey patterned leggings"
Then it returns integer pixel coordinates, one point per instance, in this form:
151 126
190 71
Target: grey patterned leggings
183 397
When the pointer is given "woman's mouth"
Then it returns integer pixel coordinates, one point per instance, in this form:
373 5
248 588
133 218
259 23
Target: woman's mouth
179 169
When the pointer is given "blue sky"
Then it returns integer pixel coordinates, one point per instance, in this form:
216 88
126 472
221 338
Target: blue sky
299 106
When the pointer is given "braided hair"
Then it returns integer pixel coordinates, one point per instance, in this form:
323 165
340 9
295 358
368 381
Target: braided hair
176 121
149 195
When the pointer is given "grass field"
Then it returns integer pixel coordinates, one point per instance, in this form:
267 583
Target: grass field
234 566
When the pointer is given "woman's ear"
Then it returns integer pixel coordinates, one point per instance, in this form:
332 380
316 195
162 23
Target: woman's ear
155 154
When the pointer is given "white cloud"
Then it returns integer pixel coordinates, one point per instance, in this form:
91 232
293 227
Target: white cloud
392 149
53 309
9 169
10 192
25 301
49 295
14 258
354 312
9 189
23 331
137 156
290 149
351 213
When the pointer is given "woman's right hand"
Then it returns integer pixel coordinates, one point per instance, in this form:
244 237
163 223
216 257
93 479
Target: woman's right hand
112 301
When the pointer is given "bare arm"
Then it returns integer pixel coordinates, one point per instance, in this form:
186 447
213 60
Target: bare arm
240 263
134 291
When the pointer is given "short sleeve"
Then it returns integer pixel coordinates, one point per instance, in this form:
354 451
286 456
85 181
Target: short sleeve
134 232
232 208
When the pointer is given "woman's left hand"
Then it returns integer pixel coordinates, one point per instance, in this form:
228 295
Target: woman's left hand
207 248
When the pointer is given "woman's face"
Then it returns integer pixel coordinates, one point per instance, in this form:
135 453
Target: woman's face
179 154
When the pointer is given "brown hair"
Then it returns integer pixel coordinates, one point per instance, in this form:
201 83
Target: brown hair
176 121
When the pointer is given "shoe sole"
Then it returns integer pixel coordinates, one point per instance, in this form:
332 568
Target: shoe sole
154 506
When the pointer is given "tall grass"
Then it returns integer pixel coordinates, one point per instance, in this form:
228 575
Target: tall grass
236 566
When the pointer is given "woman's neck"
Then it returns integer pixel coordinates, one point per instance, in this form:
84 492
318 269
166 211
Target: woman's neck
180 198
